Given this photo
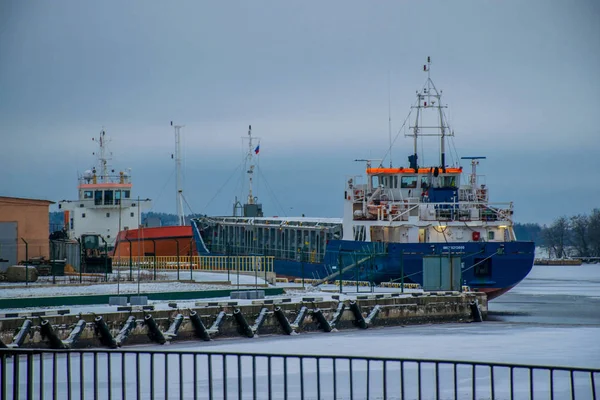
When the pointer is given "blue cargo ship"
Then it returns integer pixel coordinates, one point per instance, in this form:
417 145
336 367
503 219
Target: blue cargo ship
401 224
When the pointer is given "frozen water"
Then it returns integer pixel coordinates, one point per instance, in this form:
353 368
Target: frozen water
527 326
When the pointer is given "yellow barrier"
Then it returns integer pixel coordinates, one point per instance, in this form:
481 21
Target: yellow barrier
399 285
281 280
306 280
199 263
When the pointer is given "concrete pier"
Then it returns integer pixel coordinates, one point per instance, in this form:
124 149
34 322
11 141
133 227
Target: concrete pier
392 311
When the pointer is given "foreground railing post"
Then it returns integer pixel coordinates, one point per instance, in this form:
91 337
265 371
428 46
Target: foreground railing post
18 379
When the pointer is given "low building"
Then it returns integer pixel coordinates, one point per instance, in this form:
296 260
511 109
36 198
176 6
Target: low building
23 221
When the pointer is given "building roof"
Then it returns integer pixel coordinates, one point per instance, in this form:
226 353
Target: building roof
23 200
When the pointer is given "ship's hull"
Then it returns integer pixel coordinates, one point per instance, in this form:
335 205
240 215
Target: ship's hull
506 263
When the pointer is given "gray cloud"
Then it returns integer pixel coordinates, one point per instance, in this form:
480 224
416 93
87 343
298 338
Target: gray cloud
520 79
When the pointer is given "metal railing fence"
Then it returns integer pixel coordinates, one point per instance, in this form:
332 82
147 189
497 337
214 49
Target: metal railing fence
198 263
150 374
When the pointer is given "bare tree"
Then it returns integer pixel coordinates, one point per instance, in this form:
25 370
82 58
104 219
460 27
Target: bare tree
556 236
579 234
594 232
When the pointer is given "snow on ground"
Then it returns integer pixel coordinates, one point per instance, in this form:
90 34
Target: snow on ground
145 276
108 288
296 293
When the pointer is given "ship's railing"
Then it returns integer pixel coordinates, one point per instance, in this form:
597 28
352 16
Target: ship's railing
459 211
123 203
176 374
295 252
198 263
113 178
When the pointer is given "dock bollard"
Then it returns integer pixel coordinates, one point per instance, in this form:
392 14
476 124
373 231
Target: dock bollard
475 311
48 333
243 326
20 336
300 317
125 331
285 324
323 323
104 333
174 327
359 320
338 314
373 314
75 334
260 319
199 327
154 332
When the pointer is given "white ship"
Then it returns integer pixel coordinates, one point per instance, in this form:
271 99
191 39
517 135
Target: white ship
105 203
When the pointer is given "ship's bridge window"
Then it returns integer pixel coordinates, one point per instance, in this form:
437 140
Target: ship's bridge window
375 181
425 182
127 193
385 181
98 197
449 181
108 197
408 182
88 194
117 197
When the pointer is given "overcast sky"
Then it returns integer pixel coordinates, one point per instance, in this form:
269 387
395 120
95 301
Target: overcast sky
521 79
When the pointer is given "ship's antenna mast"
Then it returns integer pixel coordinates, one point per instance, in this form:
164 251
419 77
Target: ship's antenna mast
102 157
250 171
390 117
425 100
179 198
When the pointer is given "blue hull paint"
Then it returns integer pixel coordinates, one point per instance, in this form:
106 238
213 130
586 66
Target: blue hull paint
509 262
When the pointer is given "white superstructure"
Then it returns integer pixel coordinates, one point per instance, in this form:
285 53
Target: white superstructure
424 205
105 203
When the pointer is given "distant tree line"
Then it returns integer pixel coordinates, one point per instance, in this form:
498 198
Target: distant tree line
580 233
529 231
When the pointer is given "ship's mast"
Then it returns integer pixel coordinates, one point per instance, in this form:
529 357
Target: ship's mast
429 97
179 197
102 156
250 171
